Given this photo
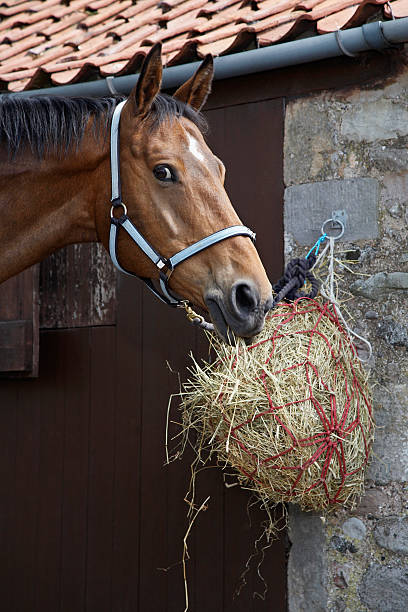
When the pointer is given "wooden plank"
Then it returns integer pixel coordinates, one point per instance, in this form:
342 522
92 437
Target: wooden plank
76 363
16 345
168 337
101 469
8 451
242 528
50 407
207 544
78 288
128 380
19 325
249 140
207 537
27 498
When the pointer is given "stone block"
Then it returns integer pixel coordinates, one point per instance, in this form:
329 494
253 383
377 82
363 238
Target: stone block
354 528
307 563
393 332
372 502
390 449
375 120
307 206
388 159
385 589
392 534
381 284
309 141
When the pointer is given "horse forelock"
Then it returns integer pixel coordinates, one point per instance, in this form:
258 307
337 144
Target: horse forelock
54 125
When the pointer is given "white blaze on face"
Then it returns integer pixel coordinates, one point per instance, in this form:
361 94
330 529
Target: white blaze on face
194 148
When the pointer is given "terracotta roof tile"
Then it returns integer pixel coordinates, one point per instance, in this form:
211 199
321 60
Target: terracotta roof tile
13 9
10 51
271 7
98 4
230 14
278 33
329 7
15 34
17 75
342 19
137 36
289 17
68 21
218 6
114 10
307 5
51 42
396 9
191 6
216 48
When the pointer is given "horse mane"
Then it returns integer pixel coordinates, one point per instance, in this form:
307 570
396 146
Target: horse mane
55 124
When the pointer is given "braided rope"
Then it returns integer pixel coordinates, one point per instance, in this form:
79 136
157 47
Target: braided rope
296 273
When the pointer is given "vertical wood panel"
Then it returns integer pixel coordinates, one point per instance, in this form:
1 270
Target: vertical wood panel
163 512
128 378
50 406
101 469
208 535
249 140
68 301
26 510
75 363
8 501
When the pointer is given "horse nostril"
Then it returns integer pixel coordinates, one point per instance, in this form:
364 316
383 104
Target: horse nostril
245 298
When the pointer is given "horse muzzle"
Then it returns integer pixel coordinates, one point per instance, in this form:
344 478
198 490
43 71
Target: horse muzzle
240 310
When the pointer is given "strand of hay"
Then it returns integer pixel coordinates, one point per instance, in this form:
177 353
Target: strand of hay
291 414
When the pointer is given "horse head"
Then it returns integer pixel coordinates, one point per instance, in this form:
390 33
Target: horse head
173 188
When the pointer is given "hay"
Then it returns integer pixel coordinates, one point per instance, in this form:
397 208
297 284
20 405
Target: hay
291 413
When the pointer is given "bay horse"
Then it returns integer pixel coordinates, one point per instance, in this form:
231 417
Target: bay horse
55 190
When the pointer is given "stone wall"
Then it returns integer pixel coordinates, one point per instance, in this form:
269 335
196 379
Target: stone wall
348 150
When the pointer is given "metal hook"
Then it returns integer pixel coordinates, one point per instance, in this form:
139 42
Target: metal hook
333 227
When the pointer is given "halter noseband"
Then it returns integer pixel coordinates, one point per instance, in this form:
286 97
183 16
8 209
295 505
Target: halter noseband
164 265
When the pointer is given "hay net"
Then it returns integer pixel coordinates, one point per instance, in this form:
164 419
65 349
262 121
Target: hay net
291 413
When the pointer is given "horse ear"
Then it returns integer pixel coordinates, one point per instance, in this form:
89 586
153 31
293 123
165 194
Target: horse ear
195 91
149 82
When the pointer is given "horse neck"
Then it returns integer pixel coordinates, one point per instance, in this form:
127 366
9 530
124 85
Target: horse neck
47 204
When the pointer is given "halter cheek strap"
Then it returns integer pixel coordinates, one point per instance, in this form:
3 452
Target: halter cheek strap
164 265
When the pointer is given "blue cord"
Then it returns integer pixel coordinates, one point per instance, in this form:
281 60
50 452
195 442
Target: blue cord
317 245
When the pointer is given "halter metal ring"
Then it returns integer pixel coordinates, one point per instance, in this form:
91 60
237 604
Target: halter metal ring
117 206
341 229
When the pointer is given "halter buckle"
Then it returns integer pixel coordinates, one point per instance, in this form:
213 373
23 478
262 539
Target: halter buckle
115 207
166 270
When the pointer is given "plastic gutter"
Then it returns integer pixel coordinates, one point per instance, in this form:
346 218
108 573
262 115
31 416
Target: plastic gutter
375 36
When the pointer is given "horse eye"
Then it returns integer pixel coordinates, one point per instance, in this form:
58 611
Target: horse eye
163 173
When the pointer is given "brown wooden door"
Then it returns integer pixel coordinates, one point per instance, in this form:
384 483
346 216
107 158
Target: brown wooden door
90 518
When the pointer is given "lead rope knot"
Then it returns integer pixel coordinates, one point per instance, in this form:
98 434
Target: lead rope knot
296 273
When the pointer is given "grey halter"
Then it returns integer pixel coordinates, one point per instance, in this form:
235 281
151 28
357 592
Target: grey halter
164 265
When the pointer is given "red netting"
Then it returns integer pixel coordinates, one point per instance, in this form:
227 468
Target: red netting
307 437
